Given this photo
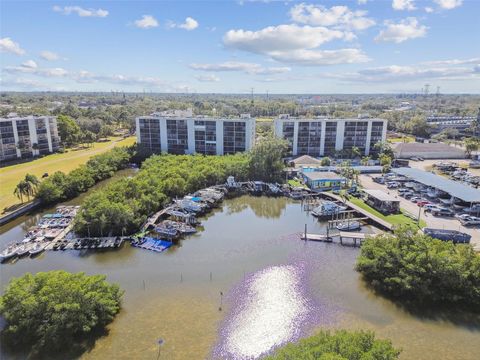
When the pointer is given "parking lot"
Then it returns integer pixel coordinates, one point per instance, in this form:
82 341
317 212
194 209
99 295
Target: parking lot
449 223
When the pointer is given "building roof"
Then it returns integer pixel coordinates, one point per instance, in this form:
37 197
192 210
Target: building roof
322 175
428 150
381 195
455 189
305 160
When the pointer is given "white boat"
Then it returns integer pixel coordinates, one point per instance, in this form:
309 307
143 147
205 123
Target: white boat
327 209
8 253
349 226
37 248
23 250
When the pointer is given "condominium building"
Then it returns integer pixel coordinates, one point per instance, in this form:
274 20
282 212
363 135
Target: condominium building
325 136
27 136
181 132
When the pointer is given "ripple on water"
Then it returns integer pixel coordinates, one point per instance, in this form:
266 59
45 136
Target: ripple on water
269 309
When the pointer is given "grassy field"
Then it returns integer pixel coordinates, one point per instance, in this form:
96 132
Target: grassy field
295 183
66 162
398 219
406 139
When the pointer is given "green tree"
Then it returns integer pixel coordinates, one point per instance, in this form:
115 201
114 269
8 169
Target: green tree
471 145
325 161
68 130
53 311
356 153
365 160
418 269
266 159
340 345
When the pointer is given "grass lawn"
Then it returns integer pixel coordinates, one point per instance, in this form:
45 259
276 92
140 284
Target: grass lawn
406 139
11 175
398 219
295 183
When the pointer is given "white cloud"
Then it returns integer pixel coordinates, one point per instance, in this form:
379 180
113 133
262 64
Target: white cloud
454 62
31 67
408 28
8 45
49 55
295 44
146 22
249 68
428 9
336 16
403 5
67 10
362 2
281 38
397 73
189 24
207 78
448 4
30 64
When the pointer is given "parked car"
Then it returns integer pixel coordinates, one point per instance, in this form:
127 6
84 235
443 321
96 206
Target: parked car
416 199
407 194
443 212
422 203
430 207
379 180
392 185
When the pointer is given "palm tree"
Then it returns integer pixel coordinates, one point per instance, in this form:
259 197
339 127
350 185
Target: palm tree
356 152
18 192
33 180
365 160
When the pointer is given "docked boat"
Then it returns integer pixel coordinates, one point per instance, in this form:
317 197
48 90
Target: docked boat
327 209
349 226
23 250
8 253
166 231
36 249
448 235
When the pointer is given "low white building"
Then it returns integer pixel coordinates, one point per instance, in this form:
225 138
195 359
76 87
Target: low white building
27 136
181 132
323 136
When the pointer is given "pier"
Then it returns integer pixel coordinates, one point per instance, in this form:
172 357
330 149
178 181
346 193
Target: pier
338 237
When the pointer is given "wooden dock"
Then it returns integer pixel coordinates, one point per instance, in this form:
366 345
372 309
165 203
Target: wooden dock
341 236
384 224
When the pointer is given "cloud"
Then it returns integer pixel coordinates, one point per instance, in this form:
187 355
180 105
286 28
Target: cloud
362 2
429 9
397 73
31 67
67 10
189 24
406 29
448 4
281 38
337 16
146 22
295 44
403 5
249 68
8 45
453 62
49 55
207 78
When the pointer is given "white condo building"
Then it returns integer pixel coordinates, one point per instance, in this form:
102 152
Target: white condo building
325 136
181 132
27 136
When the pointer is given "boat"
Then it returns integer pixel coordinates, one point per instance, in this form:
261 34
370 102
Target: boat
349 226
166 231
327 209
37 248
23 250
9 252
448 235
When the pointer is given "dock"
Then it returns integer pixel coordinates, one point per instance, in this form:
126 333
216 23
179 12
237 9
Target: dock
382 223
340 237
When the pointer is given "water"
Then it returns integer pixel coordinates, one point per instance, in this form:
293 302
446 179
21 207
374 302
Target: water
275 288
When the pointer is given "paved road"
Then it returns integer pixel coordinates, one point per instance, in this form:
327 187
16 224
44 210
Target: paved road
432 221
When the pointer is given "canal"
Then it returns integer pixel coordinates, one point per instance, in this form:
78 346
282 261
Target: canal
243 284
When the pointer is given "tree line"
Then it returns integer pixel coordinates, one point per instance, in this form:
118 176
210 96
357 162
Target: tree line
60 186
122 206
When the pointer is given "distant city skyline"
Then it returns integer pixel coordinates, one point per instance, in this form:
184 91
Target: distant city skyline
349 46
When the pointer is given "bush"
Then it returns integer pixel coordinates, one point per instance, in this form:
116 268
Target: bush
418 269
341 345
54 311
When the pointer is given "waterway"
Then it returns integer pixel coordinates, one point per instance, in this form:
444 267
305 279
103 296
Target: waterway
241 286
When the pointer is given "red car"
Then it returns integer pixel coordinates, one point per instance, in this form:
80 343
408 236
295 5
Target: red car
423 203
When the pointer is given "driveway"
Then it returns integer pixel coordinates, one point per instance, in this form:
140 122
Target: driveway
432 221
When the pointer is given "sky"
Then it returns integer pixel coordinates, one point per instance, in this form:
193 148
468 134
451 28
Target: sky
330 46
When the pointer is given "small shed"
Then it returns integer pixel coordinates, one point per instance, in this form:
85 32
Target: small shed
323 180
383 202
